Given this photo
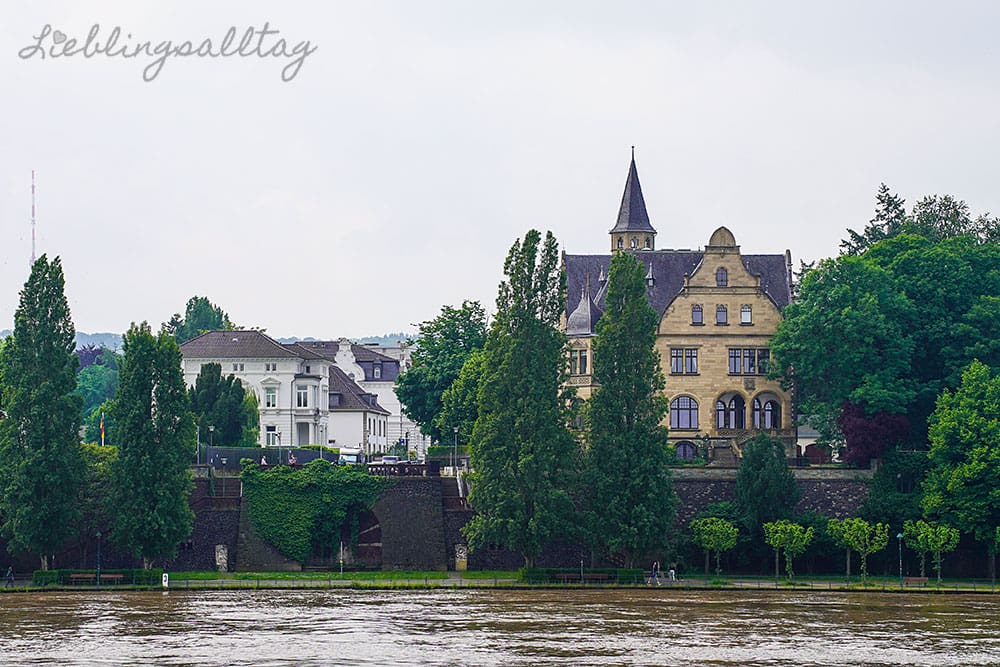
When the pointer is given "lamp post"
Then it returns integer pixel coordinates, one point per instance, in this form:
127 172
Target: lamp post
454 455
98 559
899 538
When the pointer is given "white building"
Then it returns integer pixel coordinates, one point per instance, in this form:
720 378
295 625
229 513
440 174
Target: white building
304 398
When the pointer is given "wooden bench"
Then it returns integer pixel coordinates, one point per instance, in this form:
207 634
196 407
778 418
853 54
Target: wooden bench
86 578
574 577
915 580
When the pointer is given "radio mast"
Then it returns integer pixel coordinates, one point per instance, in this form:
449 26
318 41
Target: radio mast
32 217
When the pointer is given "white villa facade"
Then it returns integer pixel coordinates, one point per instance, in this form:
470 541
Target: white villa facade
304 398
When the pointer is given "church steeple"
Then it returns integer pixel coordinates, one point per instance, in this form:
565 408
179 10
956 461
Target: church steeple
633 231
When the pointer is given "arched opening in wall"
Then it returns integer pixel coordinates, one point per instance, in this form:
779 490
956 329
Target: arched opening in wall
361 536
686 450
730 411
766 412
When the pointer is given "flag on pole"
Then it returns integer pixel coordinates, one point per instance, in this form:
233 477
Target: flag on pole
102 428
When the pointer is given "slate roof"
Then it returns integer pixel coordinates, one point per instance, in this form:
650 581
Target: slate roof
351 395
328 350
584 317
632 215
302 351
668 267
237 344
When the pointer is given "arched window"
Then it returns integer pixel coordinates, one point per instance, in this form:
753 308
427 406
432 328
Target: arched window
648 243
634 243
720 414
746 314
683 412
757 413
697 317
621 243
686 450
721 315
721 277
737 412
772 415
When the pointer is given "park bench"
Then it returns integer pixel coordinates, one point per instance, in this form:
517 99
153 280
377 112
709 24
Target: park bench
87 578
915 580
575 577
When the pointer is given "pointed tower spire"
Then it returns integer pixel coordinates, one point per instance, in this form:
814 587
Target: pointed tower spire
633 231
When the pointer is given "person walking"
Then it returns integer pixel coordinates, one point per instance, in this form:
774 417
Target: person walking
654 575
9 576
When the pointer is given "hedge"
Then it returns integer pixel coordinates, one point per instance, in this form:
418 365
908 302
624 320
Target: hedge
303 510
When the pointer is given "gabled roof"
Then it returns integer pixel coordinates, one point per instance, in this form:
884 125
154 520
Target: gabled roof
352 396
302 351
328 350
669 267
238 343
632 215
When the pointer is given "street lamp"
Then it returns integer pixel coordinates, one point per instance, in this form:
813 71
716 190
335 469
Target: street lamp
899 537
211 436
454 456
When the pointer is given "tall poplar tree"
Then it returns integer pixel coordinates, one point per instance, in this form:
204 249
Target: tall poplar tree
39 443
629 494
155 433
522 452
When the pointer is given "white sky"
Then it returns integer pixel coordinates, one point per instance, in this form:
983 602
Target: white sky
393 173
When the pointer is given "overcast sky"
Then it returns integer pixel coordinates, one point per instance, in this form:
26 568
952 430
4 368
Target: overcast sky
392 173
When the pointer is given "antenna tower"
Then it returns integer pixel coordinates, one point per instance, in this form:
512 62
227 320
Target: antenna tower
32 217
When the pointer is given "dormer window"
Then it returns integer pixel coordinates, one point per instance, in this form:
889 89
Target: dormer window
377 371
721 278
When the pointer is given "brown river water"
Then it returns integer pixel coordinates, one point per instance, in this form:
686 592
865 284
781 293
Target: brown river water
498 627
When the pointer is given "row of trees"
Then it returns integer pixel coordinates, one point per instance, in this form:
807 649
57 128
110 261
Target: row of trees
138 491
501 388
717 536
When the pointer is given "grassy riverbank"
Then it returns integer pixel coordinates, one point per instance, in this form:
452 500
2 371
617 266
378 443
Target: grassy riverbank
210 580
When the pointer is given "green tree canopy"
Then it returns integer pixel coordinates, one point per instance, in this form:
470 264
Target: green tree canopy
39 443
629 496
442 347
961 485
790 537
460 402
888 330
860 536
200 315
765 488
522 453
935 217
220 407
714 535
155 435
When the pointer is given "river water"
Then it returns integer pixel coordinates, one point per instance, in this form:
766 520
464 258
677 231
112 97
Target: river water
498 627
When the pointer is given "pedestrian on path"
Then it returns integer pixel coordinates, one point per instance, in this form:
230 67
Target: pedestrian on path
654 575
9 576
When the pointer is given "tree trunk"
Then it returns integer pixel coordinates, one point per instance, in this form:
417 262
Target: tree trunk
923 563
45 563
147 563
706 562
848 565
776 569
991 564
